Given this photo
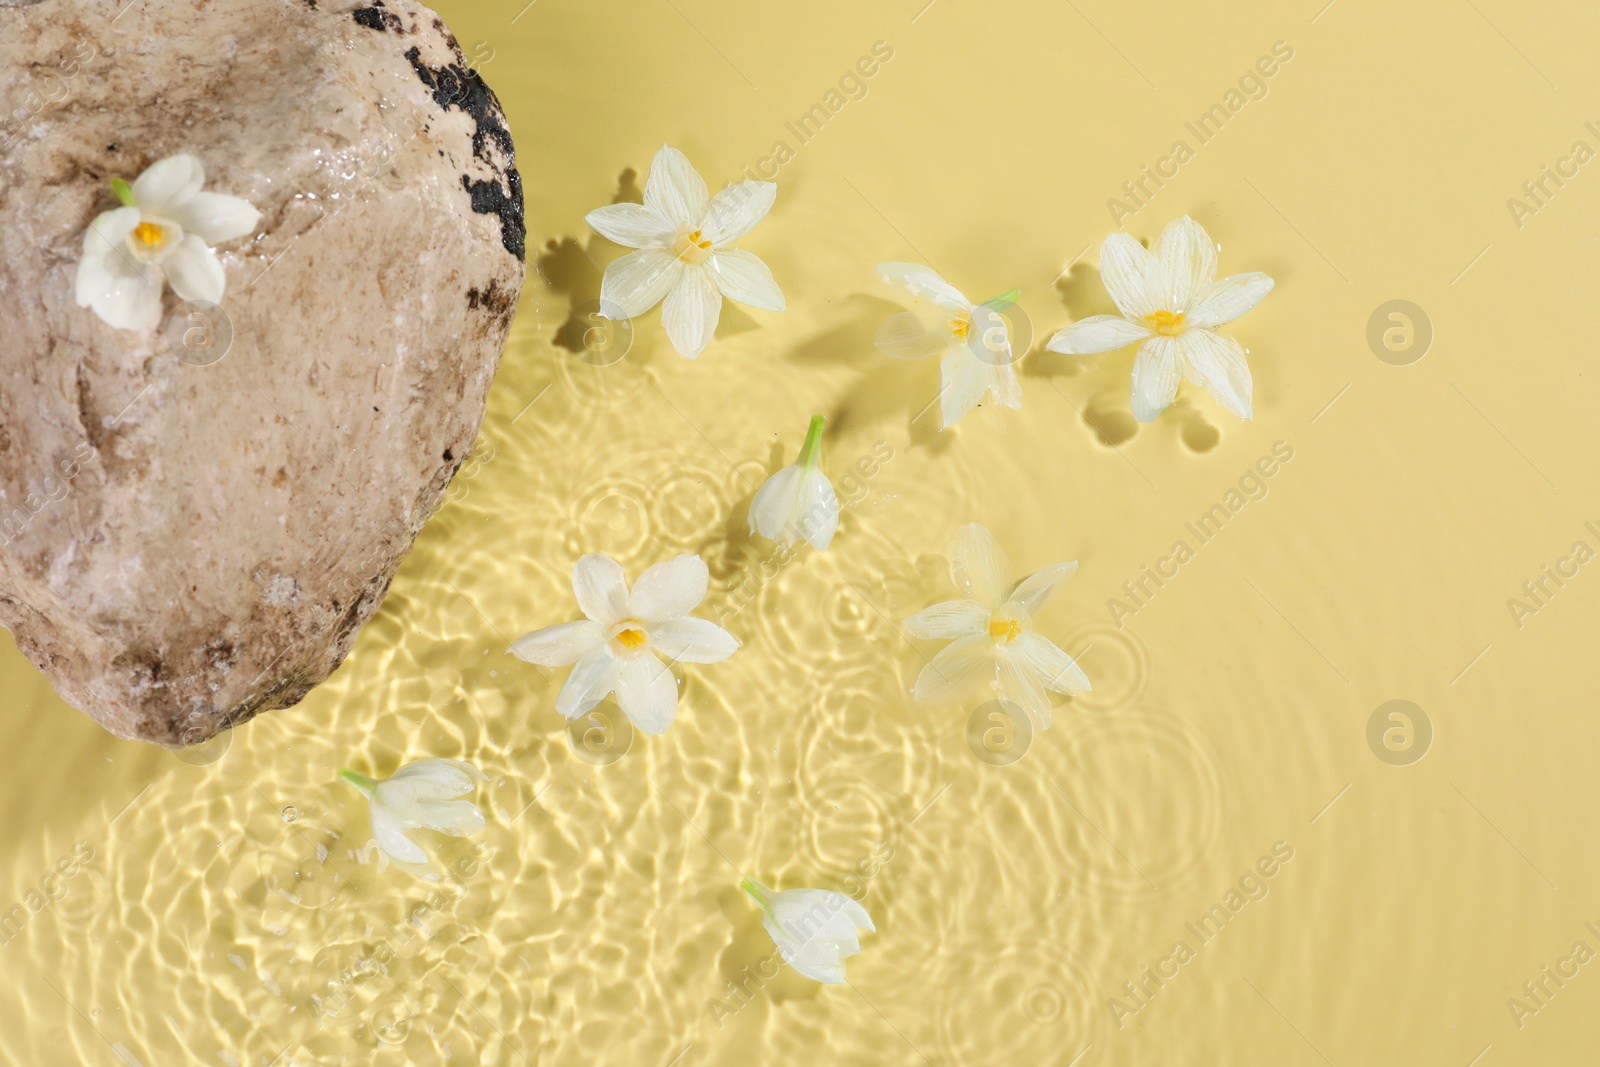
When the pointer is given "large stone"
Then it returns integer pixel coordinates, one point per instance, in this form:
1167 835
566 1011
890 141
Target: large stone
187 545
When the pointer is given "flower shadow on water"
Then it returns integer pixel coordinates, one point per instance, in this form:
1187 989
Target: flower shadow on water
751 963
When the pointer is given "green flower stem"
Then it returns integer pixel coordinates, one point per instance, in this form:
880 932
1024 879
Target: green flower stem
1004 300
758 893
360 781
811 451
124 192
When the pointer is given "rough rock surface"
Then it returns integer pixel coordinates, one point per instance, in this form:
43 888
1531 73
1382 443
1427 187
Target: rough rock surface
183 546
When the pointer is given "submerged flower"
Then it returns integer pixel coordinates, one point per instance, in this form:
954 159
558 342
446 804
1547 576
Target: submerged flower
991 631
616 648
815 929
798 503
163 232
424 794
1170 299
685 255
973 339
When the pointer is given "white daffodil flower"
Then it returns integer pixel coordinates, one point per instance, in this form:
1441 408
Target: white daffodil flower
815 929
616 648
991 631
424 794
972 338
163 232
685 255
798 503
1170 299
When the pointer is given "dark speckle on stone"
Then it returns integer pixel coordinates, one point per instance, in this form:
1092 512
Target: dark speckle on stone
376 17
448 455
458 86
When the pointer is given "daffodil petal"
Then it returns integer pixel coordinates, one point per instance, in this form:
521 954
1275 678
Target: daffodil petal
743 277
1216 362
1097 333
631 225
958 669
1034 591
1187 258
1054 668
559 646
979 566
675 190
593 676
637 282
648 694
774 511
601 588
818 516
963 380
107 233
215 217
948 619
168 184
1156 373
692 640
1022 686
669 589
194 272
691 311
389 833
1230 298
913 335
924 284
734 211
130 301
1129 272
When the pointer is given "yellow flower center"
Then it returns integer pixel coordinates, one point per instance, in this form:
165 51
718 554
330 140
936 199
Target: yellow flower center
1166 323
148 233
1004 631
631 638
692 247
960 327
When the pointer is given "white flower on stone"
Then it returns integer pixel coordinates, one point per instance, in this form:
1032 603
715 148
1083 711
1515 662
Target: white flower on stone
815 930
1170 299
684 239
425 794
991 631
162 233
972 338
616 648
798 503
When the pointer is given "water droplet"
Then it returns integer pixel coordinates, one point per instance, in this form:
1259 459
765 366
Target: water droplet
291 813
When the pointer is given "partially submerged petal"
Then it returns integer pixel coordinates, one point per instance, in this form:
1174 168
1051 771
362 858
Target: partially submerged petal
924 283
1156 373
216 217
389 832
915 334
1216 362
1034 591
1097 333
979 566
949 619
1022 686
818 516
958 669
1053 667
775 509
963 380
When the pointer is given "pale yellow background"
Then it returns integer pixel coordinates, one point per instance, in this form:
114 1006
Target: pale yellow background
1229 713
